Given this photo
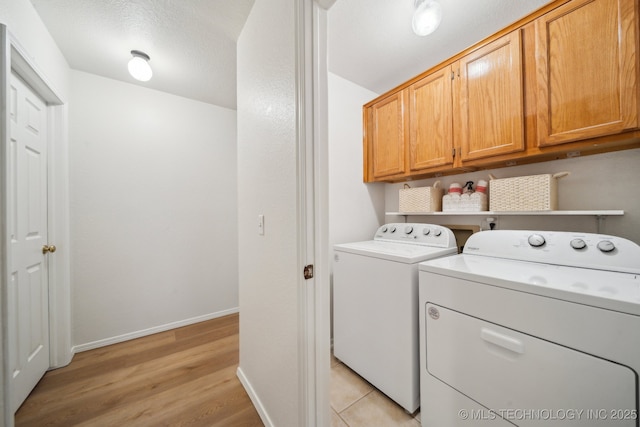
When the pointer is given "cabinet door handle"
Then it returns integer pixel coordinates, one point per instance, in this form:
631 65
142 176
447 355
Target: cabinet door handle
502 340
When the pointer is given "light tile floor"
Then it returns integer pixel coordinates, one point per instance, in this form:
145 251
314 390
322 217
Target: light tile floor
356 403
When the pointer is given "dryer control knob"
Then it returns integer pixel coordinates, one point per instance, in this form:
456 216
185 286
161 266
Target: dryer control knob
408 229
606 246
437 232
384 229
578 244
536 240
426 231
393 229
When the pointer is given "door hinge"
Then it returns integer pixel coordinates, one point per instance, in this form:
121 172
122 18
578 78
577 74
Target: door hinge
308 272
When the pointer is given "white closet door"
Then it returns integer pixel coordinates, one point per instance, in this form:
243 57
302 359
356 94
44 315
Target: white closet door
28 291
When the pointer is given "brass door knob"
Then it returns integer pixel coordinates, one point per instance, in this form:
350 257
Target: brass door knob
48 248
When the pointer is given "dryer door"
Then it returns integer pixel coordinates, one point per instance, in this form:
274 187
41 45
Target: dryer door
527 380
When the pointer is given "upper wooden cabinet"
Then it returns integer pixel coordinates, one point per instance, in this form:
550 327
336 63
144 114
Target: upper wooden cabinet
587 59
430 122
476 105
473 107
563 81
388 135
489 100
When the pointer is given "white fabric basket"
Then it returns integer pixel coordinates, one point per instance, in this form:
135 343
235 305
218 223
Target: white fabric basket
421 199
475 202
525 193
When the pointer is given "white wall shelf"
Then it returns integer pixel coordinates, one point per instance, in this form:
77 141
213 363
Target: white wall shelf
600 215
513 213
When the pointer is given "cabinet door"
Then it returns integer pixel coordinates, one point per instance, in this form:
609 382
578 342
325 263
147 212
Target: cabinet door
490 120
389 132
431 122
587 70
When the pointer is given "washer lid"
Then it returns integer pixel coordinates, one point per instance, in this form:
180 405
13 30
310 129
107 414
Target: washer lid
392 251
605 289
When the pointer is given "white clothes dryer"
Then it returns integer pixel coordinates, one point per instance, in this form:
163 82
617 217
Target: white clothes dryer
375 305
531 328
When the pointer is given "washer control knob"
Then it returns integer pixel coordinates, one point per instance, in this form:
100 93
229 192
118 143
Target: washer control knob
384 228
578 244
536 240
437 232
408 229
426 231
606 245
392 229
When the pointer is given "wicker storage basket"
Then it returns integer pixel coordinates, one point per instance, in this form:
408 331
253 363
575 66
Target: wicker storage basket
421 199
525 193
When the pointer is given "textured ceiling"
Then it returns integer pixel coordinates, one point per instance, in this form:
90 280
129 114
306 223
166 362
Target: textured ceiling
192 43
371 41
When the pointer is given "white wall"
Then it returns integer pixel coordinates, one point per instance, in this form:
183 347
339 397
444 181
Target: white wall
356 209
269 328
597 182
153 210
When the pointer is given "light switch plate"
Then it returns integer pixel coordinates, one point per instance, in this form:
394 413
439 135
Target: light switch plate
261 225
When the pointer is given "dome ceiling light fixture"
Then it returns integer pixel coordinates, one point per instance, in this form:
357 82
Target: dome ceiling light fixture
426 17
139 66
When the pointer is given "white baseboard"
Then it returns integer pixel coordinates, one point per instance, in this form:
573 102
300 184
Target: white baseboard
161 328
254 398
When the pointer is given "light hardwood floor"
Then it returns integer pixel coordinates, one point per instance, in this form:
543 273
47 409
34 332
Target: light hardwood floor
182 377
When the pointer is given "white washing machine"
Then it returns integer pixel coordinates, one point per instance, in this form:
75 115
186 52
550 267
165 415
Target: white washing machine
531 328
375 305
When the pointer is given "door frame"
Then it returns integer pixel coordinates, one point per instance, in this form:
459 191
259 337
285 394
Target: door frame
14 57
313 210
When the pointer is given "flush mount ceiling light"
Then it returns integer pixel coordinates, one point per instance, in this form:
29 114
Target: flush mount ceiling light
426 17
139 66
